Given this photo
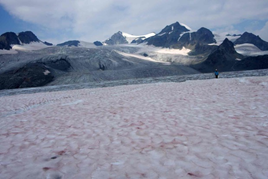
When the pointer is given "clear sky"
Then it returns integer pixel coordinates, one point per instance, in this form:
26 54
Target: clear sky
90 20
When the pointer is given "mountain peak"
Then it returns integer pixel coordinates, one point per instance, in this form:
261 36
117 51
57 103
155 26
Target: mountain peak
27 37
177 27
253 39
117 38
227 46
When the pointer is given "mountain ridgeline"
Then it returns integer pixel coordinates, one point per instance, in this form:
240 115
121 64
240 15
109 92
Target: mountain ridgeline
76 61
10 38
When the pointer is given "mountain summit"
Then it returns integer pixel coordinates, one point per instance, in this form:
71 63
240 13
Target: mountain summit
117 38
168 36
10 38
252 39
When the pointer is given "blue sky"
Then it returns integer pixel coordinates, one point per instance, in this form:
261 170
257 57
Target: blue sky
90 20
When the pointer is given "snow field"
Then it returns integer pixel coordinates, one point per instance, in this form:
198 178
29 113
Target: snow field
197 129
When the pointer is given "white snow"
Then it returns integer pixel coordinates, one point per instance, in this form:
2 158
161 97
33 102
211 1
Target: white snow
130 37
8 51
135 56
161 34
188 32
86 44
197 129
221 37
29 47
249 50
184 51
152 49
46 72
186 26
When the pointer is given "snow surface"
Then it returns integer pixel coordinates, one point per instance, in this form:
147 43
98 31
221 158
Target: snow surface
221 37
8 52
249 50
197 129
186 26
86 44
29 47
150 48
130 37
135 56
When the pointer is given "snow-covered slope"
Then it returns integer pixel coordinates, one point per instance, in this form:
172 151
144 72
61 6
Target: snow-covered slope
249 50
221 37
197 129
130 37
29 47
25 47
86 44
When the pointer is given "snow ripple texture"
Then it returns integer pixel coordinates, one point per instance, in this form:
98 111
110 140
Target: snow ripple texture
216 128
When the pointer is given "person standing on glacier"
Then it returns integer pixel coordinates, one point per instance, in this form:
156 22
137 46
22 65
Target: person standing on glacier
216 73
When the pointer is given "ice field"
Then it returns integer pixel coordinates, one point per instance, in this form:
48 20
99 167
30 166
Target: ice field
214 128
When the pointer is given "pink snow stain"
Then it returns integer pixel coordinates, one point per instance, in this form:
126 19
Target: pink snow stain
195 129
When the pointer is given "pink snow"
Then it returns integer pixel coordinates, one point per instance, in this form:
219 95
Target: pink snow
207 129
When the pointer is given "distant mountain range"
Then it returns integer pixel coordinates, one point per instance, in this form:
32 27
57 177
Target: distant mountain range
184 50
175 36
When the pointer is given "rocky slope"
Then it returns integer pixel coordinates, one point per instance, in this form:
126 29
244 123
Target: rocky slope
168 36
10 38
252 39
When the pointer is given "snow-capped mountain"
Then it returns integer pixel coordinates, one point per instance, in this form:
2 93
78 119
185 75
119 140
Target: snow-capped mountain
10 39
175 50
226 58
252 39
125 38
168 36
136 38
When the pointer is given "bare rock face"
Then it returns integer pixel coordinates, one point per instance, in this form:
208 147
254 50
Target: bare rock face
117 38
201 37
7 39
28 37
10 38
168 36
70 43
30 75
33 74
225 58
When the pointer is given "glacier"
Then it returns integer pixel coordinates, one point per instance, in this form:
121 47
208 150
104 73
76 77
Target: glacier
213 128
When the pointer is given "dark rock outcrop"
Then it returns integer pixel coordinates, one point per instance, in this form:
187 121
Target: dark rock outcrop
59 64
48 44
70 43
27 37
202 49
10 38
168 36
117 38
30 75
98 43
223 58
201 37
7 39
4 44
252 63
253 39
33 74
138 40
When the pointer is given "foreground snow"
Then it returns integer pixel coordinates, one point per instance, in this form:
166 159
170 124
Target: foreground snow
196 129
